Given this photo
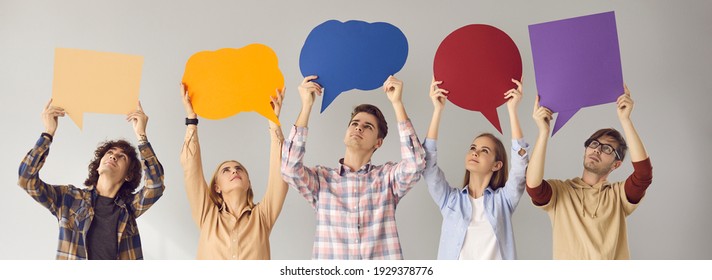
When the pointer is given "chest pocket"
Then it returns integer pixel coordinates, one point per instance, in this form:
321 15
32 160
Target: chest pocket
76 216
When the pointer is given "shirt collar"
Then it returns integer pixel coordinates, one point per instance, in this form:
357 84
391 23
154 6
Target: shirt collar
343 169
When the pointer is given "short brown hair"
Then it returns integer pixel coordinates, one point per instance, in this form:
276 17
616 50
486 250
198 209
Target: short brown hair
133 172
622 146
374 111
499 177
217 197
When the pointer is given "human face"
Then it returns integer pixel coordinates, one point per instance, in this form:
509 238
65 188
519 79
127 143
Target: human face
598 162
232 177
362 132
114 163
481 157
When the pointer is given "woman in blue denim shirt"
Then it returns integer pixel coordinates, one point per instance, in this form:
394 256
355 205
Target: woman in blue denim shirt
477 217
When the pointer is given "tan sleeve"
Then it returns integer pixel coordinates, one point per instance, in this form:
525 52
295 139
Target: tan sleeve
272 202
195 186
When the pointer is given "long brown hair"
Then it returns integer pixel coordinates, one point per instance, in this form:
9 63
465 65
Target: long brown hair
217 197
499 177
133 172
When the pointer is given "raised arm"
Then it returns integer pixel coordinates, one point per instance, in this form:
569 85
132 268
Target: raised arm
276 187
438 97
307 91
642 176
394 90
434 177
303 179
190 158
535 171
407 171
514 96
153 183
47 195
514 187
624 108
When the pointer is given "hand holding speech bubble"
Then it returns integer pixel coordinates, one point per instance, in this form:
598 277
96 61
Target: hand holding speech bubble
476 64
225 82
95 82
352 55
577 63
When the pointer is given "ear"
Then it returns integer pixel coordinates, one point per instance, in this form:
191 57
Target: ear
379 143
616 164
497 166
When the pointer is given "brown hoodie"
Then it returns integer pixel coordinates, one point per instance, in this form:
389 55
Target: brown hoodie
588 222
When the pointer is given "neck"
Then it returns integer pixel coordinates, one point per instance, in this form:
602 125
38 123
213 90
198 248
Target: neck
591 178
355 159
107 187
235 202
478 183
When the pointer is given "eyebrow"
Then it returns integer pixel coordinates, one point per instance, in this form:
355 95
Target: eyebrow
366 122
483 147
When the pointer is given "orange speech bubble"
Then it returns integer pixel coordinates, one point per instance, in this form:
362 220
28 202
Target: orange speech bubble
95 82
225 82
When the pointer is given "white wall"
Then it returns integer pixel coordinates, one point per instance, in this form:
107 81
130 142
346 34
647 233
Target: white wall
665 49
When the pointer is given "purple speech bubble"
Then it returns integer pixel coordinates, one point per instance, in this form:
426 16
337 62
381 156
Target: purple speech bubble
577 63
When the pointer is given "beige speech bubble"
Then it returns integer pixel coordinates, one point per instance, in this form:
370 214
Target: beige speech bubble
95 82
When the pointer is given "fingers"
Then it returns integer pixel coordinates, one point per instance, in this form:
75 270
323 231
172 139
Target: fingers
309 78
140 108
48 104
626 91
518 83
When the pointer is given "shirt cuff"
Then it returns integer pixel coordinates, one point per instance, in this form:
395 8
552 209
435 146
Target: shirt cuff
430 144
406 128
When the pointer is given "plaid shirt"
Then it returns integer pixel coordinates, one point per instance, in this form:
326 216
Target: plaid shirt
355 210
73 206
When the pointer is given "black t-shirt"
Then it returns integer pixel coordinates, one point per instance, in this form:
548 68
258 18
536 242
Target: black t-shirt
102 239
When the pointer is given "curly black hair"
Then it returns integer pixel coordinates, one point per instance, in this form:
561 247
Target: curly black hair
133 172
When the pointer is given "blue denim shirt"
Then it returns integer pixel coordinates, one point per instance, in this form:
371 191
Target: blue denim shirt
456 207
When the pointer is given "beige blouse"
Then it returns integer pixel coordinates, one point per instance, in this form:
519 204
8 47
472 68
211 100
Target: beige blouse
222 234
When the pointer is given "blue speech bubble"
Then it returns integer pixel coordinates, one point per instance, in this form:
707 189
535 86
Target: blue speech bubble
352 55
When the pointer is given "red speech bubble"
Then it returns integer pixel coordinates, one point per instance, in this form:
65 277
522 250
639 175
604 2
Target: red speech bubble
476 64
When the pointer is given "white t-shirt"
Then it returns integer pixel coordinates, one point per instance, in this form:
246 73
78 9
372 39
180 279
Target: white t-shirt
480 242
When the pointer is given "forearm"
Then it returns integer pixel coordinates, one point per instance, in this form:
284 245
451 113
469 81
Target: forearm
153 185
535 169
276 187
514 124
635 145
399 109
434 124
303 118
29 179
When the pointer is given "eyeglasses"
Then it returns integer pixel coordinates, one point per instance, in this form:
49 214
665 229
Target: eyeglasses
605 148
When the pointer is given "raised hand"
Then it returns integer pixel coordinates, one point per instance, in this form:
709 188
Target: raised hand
438 95
513 96
393 89
308 89
187 104
138 120
624 104
49 117
542 116
276 101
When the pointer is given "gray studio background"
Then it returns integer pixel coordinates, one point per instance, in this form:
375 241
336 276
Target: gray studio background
665 49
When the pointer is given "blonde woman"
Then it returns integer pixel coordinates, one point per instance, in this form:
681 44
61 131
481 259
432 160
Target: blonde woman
477 215
231 225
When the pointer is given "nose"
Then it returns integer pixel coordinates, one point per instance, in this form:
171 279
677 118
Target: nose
359 128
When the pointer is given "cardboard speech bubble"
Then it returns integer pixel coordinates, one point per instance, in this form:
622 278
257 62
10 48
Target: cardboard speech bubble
88 81
352 55
577 64
476 64
228 81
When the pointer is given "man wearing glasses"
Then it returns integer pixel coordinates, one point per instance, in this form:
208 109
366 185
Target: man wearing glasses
588 213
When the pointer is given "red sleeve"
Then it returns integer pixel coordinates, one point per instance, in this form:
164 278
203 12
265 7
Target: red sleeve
638 182
540 195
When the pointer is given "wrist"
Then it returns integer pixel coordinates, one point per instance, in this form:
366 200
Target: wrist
142 139
191 116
